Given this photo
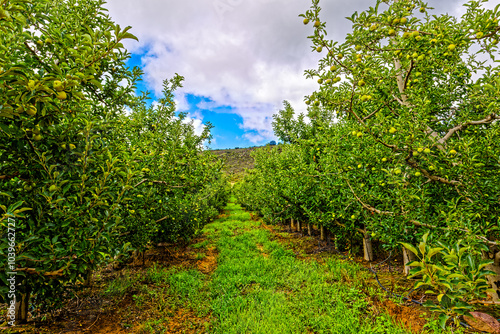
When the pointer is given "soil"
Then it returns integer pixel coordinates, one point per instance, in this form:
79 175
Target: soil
411 317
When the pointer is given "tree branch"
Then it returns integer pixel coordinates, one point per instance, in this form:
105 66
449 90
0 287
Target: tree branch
430 176
157 182
369 207
489 119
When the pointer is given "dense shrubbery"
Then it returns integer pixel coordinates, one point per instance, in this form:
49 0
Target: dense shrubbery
404 137
83 180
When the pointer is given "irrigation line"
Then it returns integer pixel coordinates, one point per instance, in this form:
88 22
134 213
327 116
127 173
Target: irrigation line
378 264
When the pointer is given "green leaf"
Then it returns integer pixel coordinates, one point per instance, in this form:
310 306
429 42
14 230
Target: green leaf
443 318
433 251
456 275
410 248
425 236
129 36
471 261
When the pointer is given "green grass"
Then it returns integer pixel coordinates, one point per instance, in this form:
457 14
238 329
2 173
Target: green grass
259 286
267 289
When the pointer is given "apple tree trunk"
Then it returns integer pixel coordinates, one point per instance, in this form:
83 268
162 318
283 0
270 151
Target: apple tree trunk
407 258
494 279
367 247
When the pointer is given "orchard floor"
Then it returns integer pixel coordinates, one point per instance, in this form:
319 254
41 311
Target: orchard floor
240 276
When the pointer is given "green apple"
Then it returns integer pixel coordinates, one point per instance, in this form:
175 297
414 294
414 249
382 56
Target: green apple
61 95
58 86
31 110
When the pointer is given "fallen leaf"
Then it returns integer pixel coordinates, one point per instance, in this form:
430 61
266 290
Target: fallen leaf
483 322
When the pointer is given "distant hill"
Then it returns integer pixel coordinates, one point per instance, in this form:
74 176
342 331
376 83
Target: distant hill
236 161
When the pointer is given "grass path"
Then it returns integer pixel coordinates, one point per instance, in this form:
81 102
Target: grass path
236 279
259 286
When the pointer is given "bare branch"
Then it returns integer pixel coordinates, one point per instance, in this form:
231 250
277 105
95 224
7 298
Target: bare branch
430 176
489 119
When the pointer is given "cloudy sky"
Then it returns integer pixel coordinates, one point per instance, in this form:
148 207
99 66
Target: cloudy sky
240 58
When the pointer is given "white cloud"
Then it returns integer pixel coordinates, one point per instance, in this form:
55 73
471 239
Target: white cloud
254 138
246 54
181 102
197 124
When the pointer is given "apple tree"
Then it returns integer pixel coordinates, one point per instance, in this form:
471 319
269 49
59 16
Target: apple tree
61 65
423 89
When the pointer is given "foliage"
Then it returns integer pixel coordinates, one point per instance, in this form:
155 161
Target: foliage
80 174
403 137
455 273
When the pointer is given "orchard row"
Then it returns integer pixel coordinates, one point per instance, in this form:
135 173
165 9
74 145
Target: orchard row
89 172
402 145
